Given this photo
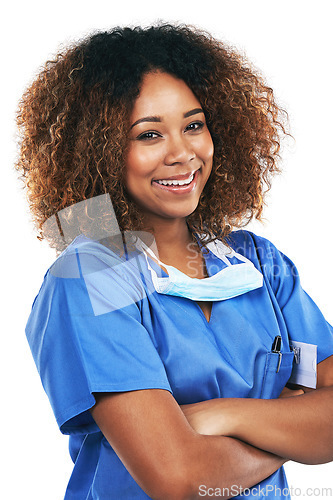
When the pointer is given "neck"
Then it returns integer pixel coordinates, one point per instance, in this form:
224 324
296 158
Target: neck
171 235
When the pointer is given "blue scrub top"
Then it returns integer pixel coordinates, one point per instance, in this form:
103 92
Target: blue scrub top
98 325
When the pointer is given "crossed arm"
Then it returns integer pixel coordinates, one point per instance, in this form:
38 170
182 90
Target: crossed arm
170 450
298 428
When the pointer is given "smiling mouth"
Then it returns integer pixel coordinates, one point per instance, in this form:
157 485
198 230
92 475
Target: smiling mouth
178 180
184 185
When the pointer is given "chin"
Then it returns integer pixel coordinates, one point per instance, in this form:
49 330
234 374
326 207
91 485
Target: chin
181 214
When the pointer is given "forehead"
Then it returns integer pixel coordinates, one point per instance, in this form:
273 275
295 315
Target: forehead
162 92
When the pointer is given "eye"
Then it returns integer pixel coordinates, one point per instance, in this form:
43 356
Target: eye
148 136
194 126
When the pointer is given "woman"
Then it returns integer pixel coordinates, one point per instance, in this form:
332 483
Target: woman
164 350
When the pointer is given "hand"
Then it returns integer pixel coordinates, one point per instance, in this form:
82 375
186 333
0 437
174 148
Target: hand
212 417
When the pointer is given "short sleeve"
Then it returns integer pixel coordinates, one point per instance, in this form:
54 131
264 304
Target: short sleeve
87 338
303 319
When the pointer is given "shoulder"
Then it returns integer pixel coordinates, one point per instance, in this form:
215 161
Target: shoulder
91 275
82 257
256 248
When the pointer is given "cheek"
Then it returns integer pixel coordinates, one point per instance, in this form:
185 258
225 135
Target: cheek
140 162
206 148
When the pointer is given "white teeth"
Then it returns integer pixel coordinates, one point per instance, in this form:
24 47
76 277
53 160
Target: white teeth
175 182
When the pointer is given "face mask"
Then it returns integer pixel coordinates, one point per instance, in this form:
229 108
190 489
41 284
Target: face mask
233 280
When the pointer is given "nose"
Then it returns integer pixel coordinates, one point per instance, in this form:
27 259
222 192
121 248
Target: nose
179 150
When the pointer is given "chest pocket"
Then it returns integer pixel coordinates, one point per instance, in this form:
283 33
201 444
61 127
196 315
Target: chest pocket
278 367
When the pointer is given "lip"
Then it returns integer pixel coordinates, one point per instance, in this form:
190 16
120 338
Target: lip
179 189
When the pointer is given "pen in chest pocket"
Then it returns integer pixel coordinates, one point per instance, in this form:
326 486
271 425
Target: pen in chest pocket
276 347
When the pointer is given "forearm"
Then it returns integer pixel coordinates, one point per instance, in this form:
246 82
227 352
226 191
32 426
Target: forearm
227 466
299 428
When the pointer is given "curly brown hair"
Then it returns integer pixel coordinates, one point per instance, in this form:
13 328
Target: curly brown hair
74 124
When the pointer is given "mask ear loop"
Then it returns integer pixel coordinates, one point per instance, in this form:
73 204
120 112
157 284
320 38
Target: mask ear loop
157 280
218 248
225 260
221 251
242 258
146 250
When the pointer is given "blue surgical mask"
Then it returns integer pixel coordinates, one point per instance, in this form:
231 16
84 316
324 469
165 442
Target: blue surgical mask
233 280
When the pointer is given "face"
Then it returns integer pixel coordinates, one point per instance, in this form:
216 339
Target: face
170 150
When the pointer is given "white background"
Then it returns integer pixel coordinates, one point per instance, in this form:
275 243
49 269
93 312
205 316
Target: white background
291 42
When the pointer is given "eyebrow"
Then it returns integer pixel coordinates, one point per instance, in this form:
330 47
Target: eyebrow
159 119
